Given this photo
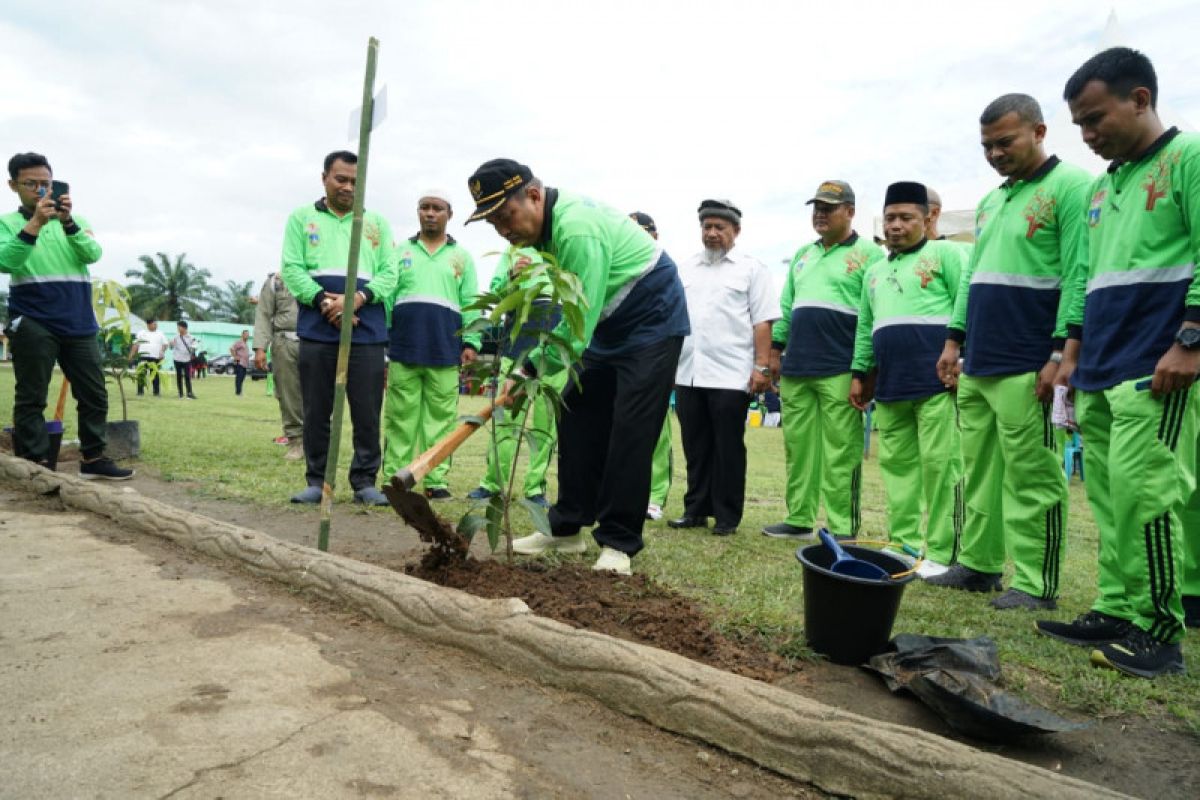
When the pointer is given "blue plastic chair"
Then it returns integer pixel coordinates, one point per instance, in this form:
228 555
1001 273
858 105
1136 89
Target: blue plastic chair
1073 456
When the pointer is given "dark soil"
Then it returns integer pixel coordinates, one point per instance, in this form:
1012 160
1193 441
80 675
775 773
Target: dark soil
634 608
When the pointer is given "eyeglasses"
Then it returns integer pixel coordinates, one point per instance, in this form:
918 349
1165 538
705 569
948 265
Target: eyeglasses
31 184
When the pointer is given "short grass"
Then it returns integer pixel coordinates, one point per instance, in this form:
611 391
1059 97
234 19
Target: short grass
221 444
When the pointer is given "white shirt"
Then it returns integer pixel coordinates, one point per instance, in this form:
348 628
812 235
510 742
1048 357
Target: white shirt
183 348
725 301
150 344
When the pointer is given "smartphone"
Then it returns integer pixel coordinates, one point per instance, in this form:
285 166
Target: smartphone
57 190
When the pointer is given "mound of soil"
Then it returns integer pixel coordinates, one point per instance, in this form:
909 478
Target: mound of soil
633 608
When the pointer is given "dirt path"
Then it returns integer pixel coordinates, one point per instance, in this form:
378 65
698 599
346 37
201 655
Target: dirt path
136 669
1142 757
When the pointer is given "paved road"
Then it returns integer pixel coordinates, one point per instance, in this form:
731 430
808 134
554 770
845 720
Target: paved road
131 668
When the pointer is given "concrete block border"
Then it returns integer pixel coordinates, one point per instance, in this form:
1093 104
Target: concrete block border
834 750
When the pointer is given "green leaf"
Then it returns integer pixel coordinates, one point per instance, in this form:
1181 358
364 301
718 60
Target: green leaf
537 514
495 520
471 524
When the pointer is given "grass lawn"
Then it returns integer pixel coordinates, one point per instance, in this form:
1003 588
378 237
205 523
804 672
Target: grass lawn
751 583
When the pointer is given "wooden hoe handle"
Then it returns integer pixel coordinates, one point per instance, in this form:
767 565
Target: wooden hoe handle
409 476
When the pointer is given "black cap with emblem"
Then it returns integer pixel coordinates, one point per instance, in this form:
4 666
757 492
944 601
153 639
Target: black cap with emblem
494 182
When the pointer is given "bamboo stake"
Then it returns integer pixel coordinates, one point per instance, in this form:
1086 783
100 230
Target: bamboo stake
343 360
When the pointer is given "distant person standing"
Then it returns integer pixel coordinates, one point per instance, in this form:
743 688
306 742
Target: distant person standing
47 250
240 351
435 282
316 248
1009 320
183 353
906 303
723 364
149 347
275 330
662 464
1132 356
812 347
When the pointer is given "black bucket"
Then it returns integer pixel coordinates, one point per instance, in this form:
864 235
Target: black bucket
849 619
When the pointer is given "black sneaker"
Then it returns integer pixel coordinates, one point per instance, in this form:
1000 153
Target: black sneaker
479 493
1015 598
1088 630
438 494
1191 610
1141 655
782 530
967 579
103 469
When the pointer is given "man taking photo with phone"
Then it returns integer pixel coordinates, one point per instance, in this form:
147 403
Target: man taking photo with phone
47 250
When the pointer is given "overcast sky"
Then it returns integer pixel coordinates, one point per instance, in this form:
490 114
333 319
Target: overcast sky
197 127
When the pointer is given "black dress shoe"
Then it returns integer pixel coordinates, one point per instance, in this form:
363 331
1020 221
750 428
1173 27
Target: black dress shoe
723 530
688 522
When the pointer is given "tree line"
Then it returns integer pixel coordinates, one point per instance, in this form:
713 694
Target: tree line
173 289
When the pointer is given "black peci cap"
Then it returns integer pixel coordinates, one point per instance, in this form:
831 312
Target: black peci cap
906 192
494 182
645 220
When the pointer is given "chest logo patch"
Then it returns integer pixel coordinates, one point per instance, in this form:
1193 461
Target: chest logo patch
313 232
927 269
1039 212
1096 207
371 234
855 260
1158 179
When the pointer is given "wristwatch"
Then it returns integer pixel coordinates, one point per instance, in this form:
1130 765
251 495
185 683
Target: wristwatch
1188 338
761 370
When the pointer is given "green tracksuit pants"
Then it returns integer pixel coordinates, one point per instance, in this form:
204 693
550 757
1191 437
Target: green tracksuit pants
1191 536
660 467
921 462
1139 456
823 447
542 427
419 410
1015 490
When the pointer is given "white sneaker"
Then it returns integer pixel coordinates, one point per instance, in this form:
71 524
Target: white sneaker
539 542
653 511
900 554
612 561
931 569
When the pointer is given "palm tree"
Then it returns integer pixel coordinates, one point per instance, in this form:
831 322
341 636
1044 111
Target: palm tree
169 290
231 303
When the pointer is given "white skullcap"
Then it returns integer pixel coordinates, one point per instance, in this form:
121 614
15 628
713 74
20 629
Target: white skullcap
436 194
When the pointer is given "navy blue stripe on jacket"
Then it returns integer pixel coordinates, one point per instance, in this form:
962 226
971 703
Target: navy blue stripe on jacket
62 307
654 309
820 342
425 333
543 317
372 318
1010 329
1112 350
907 355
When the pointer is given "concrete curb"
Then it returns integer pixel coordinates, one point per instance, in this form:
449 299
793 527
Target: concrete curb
837 751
